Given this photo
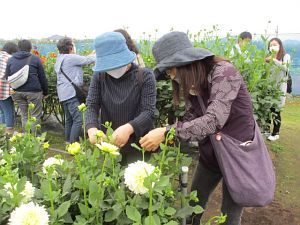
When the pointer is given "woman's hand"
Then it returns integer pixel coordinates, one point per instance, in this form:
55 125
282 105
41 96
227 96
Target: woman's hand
268 59
122 134
92 135
152 140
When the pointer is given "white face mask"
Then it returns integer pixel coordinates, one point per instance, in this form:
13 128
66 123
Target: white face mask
274 48
117 73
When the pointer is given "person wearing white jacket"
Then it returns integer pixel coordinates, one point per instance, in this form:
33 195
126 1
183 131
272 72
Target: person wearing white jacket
281 61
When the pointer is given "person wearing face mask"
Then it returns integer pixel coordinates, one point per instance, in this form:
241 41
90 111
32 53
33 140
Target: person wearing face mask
197 73
71 63
122 93
281 61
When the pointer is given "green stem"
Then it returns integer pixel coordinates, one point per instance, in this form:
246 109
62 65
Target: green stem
143 152
82 181
84 128
211 219
51 196
164 153
101 191
150 206
113 166
31 170
103 167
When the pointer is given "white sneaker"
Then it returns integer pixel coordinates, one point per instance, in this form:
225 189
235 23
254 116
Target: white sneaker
273 138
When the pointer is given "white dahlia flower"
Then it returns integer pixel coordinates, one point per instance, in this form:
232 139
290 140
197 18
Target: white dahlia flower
135 175
52 162
13 150
109 148
29 214
27 193
2 162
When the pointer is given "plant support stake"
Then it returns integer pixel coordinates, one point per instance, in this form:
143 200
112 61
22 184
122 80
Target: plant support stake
184 184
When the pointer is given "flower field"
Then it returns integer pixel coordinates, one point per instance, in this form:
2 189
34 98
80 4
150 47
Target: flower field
90 186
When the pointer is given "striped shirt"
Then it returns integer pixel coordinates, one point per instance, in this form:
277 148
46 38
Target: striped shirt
5 89
129 99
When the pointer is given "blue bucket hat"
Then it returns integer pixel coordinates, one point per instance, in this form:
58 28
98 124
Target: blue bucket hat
111 52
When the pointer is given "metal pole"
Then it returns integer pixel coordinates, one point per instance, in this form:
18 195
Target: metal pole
184 185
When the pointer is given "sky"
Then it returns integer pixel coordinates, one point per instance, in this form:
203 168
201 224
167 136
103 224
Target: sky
90 18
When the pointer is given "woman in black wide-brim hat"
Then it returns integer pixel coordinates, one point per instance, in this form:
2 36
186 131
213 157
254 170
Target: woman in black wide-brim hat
195 73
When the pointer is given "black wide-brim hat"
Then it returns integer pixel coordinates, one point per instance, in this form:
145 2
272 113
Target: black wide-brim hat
175 49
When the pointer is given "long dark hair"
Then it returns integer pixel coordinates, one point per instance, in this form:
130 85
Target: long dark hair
130 43
281 51
194 76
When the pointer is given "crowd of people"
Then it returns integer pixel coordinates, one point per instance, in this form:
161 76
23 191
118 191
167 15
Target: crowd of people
123 92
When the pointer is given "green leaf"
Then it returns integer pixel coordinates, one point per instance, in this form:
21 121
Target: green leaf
134 145
67 186
21 184
83 210
163 181
80 221
113 214
198 209
93 194
185 212
155 220
170 211
120 195
133 214
63 209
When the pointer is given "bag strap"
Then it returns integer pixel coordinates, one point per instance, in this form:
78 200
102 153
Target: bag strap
28 60
63 72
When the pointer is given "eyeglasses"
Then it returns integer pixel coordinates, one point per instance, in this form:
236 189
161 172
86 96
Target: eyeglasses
168 72
171 73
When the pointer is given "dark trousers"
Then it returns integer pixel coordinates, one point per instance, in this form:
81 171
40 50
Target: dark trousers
204 182
74 120
276 121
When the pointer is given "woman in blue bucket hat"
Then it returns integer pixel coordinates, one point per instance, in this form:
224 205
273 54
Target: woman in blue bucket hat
197 74
122 93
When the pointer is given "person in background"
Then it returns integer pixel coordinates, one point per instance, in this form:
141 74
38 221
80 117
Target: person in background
35 88
71 63
6 102
196 73
281 62
132 47
243 39
122 92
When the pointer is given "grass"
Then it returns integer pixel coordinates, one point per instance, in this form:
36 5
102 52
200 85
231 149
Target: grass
56 139
287 155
